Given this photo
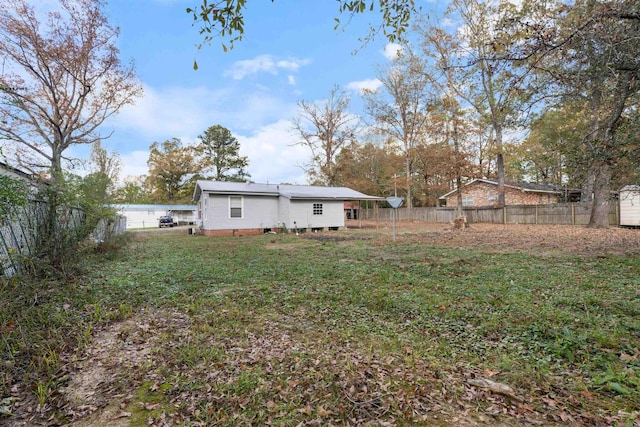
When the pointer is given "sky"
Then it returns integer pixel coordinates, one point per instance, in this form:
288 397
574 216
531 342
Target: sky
290 52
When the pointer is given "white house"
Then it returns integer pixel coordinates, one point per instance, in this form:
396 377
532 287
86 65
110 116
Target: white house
630 206
34 184
147 216
237 208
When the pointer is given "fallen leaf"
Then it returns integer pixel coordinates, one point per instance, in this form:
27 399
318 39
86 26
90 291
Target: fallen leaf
495 387
7 329
489 372
323 412
122 414
628 358
306 410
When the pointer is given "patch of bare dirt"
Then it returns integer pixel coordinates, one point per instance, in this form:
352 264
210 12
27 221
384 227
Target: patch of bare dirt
101 381
284 246
534 239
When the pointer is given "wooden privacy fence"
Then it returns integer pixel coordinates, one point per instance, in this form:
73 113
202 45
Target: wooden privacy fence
19 232
566 213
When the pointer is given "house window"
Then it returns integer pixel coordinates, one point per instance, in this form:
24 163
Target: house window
317 208
235 206
492 199
467 201
204 206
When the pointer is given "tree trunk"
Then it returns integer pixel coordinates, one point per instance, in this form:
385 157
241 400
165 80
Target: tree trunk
601 192
500 164
52 243
500 167
408 171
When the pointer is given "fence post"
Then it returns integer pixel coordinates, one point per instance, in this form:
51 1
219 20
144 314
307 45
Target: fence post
573 214
504 214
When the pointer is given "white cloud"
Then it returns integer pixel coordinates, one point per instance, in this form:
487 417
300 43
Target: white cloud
259 121
273 157
134 163
186 112
292 80
263 64
170 112
391 51
371 85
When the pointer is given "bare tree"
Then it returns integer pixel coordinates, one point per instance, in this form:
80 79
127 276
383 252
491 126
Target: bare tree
325 129
400 111
59 81
492 85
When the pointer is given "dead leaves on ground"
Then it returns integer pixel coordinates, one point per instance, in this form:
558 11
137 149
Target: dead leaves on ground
534 239
138 372
272 375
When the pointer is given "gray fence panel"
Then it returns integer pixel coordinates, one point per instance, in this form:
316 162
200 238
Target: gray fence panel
566 214
19 232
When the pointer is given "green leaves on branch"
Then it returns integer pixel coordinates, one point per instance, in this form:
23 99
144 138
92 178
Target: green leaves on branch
12 193
224 19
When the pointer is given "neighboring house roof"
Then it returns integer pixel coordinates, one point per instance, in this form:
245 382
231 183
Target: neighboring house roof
283 190
34 183
5 169
133 207
527 187
630 188
8 170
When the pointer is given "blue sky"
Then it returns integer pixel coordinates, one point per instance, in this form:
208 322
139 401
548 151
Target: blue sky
290 52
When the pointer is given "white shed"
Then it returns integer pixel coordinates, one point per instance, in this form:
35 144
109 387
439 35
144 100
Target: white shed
630 206
147 216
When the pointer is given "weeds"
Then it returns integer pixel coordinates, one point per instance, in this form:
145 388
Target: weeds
42 392
286 329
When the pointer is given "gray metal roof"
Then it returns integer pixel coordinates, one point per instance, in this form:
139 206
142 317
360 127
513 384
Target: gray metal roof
283 190
630 188
136 207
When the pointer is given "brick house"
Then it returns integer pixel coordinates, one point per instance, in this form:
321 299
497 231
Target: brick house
484 192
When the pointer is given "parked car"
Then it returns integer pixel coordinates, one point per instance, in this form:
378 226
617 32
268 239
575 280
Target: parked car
166 221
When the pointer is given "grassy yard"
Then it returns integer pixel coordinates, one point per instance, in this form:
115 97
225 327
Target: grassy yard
439 328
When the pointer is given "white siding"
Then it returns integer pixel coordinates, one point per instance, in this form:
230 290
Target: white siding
182 217
143 218
257 212
630 207
147 216
301 211
284 213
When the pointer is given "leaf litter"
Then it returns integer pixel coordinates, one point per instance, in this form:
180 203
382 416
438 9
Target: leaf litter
275 374
291 379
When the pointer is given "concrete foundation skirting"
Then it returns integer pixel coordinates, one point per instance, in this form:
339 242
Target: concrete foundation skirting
258 231
237 232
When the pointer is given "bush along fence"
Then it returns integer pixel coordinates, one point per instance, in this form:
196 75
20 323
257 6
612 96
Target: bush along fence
565 213
20 228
